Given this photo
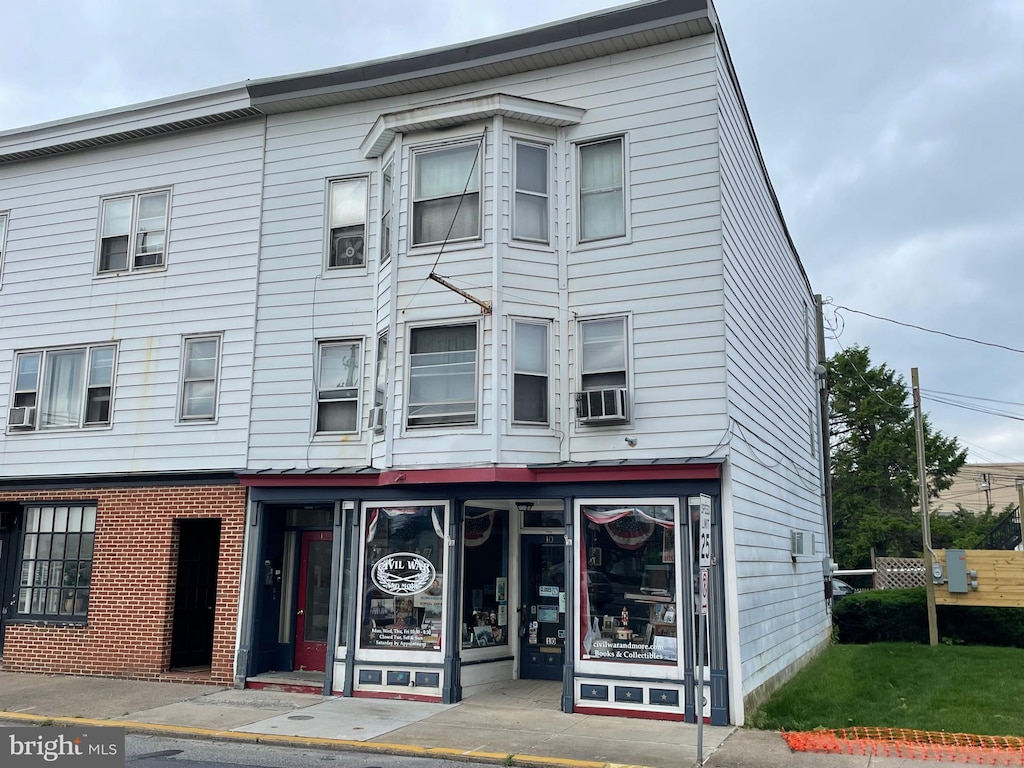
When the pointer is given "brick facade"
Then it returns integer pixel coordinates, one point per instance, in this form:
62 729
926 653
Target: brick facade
131 605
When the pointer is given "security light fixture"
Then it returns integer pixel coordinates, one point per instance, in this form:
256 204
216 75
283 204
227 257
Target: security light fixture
524 506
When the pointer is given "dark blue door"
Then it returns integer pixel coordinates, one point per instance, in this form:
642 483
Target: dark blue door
542 642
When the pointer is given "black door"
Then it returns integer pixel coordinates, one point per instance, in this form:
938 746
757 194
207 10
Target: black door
8 564
195 593
542 644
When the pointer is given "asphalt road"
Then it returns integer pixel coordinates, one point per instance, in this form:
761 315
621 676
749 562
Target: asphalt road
159 752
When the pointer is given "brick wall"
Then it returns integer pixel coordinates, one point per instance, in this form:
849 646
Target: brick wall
131 605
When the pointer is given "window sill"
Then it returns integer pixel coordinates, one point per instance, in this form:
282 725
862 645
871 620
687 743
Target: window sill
82 623
129 272
58 430
610 242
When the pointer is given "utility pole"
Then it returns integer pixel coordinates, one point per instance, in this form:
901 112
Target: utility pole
926 532
826 448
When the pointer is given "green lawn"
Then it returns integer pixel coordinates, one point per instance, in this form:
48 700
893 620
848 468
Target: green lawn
964 689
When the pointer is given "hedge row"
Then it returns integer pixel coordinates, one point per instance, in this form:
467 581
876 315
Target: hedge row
901 615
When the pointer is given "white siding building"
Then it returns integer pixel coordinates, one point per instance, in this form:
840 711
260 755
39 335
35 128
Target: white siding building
521 309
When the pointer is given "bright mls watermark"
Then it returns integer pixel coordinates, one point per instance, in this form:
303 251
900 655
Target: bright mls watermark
94 747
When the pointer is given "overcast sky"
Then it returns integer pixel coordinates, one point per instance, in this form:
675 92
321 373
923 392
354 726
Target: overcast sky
892 132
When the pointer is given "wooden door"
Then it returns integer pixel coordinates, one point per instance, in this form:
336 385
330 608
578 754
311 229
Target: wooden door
313 603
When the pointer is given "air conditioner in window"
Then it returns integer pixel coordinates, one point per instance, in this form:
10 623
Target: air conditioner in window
377 417
801 543
21 418
601 406
346 250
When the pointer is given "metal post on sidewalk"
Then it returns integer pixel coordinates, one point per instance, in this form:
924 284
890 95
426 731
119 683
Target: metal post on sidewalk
704 553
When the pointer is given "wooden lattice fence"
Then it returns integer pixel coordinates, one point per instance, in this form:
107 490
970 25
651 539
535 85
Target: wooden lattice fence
898 572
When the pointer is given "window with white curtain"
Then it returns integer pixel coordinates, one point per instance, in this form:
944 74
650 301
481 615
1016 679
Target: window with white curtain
133 232
63 388
348 223
530 206
530 375
338 386
442 376
446 194
602 201
201 362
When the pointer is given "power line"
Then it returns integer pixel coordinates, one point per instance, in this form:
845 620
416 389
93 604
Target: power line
977 409
930 330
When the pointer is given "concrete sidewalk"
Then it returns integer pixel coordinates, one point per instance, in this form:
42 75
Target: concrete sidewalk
521 719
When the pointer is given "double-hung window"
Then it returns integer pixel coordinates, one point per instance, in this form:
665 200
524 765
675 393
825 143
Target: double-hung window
530 208
199 370
348 223
446 194
63 388
337 407
530 375
133 232
380 385
56 562
603 371
442 376
602 204
386 191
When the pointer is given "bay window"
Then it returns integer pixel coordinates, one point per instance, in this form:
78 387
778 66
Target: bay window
446 194
442 376
530 203
530 372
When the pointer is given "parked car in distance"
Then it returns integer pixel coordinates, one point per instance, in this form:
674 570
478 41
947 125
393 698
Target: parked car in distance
840 589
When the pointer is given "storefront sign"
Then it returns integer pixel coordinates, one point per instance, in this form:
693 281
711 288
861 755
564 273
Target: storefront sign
403 573
615 650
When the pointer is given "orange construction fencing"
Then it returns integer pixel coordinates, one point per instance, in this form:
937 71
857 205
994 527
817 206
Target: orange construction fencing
919 745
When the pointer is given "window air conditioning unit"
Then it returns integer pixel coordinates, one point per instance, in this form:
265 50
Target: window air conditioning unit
801 543
601 406
21 418
346 250
377 418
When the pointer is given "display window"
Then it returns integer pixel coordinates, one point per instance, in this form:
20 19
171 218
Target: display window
627 573
485 612
403 581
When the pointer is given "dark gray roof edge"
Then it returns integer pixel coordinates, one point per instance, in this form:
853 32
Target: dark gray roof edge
560 34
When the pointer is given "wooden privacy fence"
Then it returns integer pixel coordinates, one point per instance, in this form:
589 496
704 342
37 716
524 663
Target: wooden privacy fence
898 572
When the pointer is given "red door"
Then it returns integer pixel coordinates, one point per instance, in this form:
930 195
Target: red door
313 605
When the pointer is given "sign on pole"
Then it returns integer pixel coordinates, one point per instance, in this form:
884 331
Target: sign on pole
704 578
704 561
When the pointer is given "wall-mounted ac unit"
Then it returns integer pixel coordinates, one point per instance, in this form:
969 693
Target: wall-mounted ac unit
377 418
801 543
601 406
21 418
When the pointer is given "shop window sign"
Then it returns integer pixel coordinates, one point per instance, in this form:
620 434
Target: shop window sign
403 585
628 579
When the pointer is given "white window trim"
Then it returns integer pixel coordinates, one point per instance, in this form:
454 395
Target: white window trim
516 141
386 237
478 382
547 324
579 244
5 217
130 267
341 269
477 139
182 418
40 383
320 344
627 321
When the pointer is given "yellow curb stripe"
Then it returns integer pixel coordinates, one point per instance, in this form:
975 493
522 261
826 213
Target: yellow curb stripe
316 741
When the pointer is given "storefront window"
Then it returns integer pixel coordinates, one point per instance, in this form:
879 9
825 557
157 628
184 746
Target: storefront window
485 583
628 580
403 585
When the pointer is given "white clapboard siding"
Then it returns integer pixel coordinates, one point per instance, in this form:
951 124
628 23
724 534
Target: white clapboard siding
51 296
776 484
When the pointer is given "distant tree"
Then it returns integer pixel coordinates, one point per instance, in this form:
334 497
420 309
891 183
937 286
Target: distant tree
875 488
964 528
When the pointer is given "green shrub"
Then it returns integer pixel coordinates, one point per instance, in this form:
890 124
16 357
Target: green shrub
901 615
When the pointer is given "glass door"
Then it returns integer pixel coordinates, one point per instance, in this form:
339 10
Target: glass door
542 622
